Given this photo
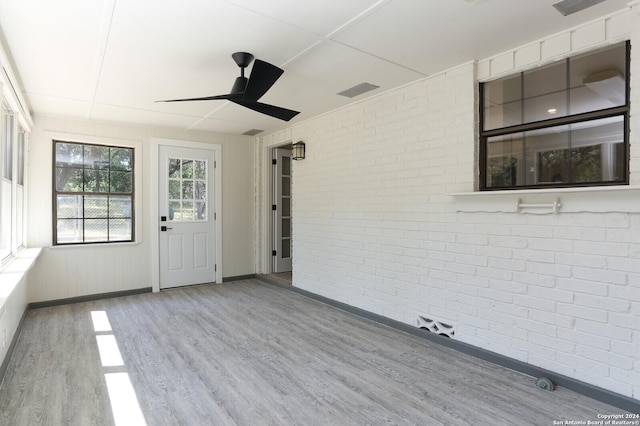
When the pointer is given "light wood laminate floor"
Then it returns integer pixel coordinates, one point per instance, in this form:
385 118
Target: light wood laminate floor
250 353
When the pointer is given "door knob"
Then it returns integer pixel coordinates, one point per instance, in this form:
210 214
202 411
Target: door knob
164 228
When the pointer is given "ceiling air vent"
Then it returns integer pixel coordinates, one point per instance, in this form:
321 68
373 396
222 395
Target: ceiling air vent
567 7
252 132
358 89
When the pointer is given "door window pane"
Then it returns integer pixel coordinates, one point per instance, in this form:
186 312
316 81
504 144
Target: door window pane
286 227
187 169
187 189
200 169
174 189
201 210
201 190
286 186
286 248
187 211
174 167
174 207
286 166
286 207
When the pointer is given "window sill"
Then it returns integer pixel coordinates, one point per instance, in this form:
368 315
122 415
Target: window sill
15 271
91 245
595 199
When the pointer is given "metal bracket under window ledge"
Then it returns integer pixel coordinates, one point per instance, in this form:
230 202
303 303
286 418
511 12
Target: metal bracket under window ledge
554 207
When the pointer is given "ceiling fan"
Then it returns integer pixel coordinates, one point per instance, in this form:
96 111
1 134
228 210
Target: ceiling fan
247 91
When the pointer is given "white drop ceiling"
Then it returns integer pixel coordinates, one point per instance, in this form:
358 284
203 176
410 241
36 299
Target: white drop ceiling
109 60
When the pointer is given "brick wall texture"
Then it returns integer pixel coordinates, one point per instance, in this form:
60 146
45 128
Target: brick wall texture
375 227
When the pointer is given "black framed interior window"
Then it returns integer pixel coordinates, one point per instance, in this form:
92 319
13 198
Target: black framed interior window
561 125
93 193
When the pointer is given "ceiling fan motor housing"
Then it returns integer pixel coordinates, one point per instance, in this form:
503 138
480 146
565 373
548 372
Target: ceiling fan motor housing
243 59
239 86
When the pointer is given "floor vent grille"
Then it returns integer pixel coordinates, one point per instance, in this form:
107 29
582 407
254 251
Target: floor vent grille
437 327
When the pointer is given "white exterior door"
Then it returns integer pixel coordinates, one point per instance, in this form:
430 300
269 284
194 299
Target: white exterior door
187 243
282 211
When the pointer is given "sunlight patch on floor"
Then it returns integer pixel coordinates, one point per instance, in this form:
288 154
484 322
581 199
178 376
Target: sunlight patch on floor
109 351
100 321
124 401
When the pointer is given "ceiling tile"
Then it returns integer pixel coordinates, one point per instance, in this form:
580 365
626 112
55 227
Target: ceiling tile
101 112
430 36
56 45
55 106
186 50
321 18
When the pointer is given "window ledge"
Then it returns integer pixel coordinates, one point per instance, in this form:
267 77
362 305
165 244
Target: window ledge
85 246
15 271
594 199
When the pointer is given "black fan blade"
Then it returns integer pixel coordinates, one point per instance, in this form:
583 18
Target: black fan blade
206 98
273 111
263 76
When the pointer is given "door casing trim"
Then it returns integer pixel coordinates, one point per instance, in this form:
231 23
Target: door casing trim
264 181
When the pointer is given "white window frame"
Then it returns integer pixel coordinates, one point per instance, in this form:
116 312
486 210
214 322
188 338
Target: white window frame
17 237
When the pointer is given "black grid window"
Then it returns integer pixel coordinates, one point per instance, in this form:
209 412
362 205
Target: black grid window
561 125
93 193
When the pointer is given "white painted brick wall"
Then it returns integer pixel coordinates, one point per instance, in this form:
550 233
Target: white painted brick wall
374 228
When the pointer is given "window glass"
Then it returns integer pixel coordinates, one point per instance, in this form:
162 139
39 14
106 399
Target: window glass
564 124
94 193
6 182
7 143
21 159
587 152
503 103
545 93
598 81
187 189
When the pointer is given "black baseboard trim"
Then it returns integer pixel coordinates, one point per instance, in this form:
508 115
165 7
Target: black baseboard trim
12 345
238 278
620 401
88 298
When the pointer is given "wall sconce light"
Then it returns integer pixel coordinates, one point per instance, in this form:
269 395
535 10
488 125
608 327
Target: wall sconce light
298 151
